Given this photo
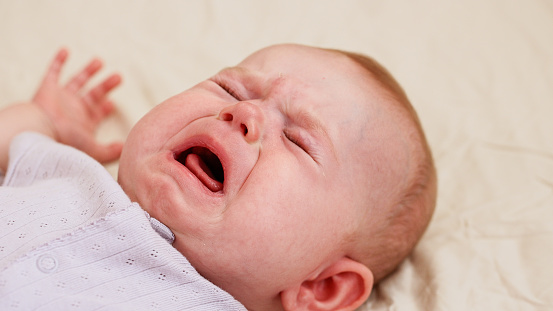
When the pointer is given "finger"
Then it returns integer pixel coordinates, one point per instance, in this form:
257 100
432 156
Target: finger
105 109
54 70
79 80
106 153
98 93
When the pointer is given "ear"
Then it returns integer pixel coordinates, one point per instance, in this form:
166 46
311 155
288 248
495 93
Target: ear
344 285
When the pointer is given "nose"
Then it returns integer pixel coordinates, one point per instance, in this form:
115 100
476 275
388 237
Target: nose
246 117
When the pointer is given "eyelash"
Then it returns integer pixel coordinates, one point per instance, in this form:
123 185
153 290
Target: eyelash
296 141
228 90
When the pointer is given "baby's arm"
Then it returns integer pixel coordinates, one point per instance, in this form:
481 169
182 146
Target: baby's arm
63 113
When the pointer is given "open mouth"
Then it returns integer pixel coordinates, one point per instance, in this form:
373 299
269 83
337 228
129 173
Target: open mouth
205 165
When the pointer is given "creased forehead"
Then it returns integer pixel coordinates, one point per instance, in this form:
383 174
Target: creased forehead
298 56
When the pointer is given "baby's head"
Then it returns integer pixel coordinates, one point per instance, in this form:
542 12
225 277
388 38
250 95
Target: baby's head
298 178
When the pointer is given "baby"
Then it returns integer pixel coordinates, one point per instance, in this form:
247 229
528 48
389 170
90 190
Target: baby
296 180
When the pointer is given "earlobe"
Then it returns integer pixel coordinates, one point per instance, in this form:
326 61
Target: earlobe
344 285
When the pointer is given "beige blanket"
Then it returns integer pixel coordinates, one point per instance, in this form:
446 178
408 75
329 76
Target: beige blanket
480 73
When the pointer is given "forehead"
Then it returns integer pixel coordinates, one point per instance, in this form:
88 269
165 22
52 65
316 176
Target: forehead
327 83
308 63
332 86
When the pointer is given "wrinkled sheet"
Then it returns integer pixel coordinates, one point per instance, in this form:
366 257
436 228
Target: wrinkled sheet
480 74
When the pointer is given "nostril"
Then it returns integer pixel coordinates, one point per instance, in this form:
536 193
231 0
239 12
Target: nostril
244 129
226 117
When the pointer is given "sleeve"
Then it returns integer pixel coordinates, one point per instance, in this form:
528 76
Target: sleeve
20 146
117 263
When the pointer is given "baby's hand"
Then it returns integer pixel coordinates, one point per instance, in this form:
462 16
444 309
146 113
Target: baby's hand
75 114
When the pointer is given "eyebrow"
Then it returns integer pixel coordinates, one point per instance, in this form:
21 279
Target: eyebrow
237 73
245 76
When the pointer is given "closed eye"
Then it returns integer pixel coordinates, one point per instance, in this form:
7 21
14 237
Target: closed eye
305 143
227 89
296 141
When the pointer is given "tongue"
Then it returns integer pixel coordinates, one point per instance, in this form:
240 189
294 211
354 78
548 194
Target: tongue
198 167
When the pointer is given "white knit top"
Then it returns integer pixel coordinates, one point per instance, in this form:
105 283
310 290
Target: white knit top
70 239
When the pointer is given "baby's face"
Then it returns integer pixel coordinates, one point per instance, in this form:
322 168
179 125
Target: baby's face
256 169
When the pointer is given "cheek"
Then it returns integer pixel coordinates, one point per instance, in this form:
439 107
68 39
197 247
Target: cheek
174 114
282 207
147 134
